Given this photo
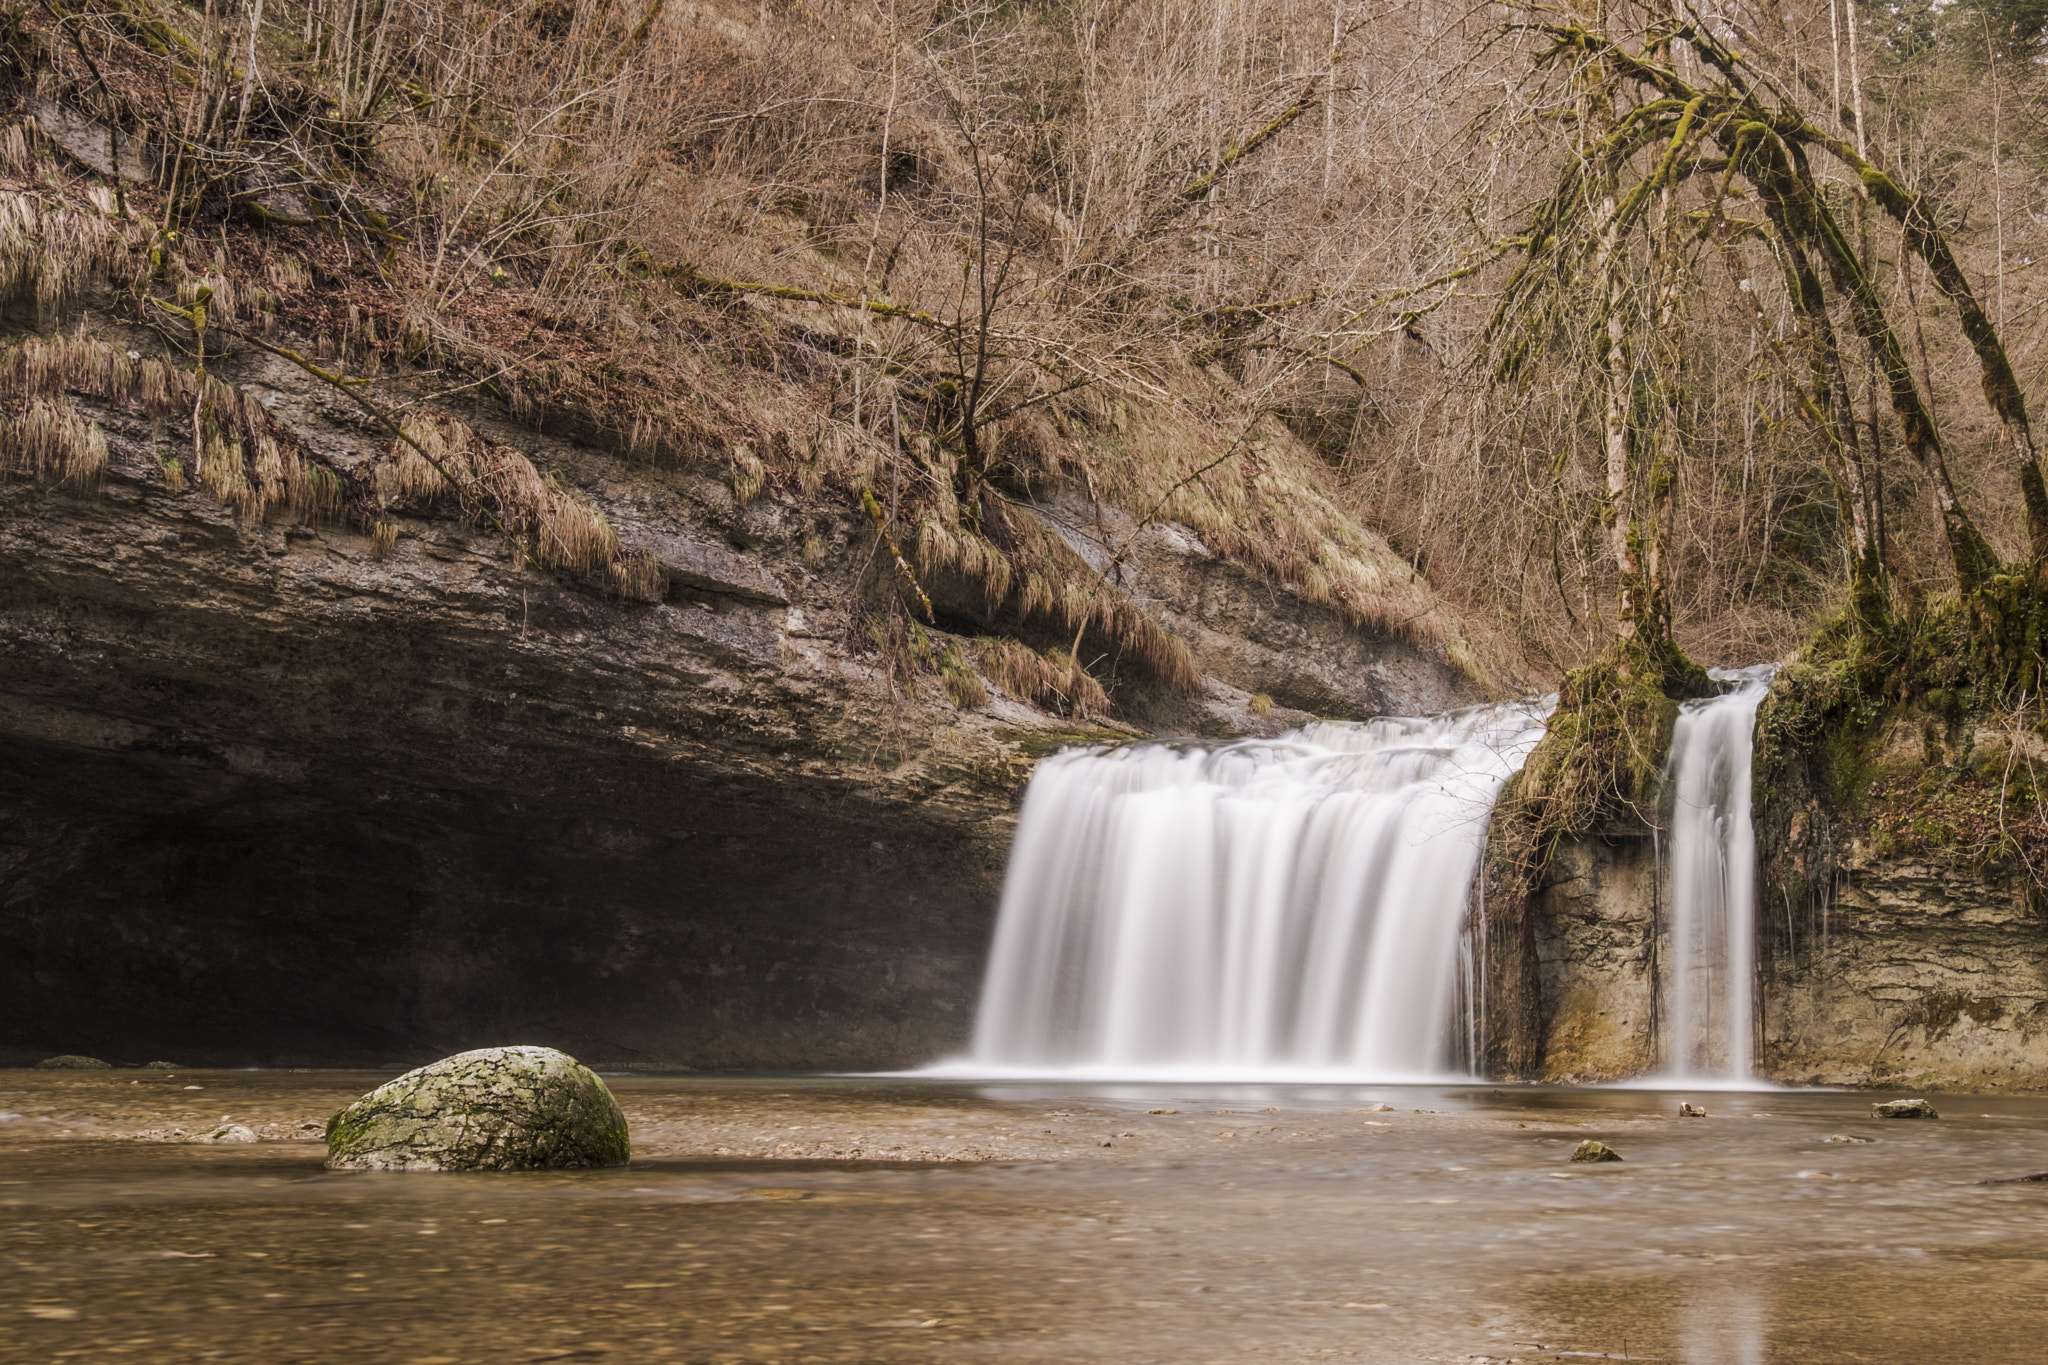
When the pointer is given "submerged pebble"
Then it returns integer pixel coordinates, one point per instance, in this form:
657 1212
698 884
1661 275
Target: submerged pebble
229 1132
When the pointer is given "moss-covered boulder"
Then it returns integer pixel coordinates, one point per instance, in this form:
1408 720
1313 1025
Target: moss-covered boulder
69 1062
494 1109
1589 1150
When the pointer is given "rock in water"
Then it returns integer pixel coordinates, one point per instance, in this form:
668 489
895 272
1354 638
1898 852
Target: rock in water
1904 1109
229 1132
494 1109
71 1063
1590 1150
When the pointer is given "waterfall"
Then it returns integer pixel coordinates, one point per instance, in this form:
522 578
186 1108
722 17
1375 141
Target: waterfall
1268 909
1709 996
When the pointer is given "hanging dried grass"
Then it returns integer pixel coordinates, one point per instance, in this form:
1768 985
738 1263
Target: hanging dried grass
749 475
1051 683
1061 585
49 440
17 147
549 524
50 251
243 458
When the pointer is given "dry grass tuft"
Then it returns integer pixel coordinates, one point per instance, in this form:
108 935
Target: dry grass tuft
17 147
639 577
49 440
235 451
1047 579
51 249
383 536
1052 684
1057 583
749 475
550 525
907 647
962 682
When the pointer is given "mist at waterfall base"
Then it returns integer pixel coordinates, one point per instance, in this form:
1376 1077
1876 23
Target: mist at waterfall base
1299 910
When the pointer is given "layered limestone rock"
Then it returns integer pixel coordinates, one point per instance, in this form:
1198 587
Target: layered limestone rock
282 794
1596 938
1912 975
491 1109
1878 962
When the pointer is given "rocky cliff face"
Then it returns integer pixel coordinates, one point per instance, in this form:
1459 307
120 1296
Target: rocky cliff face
274 793
1880 962
1597 942
1913 974
1902 937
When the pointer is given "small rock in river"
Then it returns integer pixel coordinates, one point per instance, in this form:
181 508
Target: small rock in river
1843 1137
1590 1150
229 1132
1689 1111
1904 1109
494 1109
70 1063
161 1066
1377 1109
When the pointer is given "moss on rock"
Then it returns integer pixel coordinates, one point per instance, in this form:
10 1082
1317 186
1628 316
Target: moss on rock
494 1109
1598 765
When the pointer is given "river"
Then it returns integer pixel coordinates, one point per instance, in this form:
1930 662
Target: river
773 1219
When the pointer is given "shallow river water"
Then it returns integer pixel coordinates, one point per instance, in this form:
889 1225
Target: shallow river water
778 1219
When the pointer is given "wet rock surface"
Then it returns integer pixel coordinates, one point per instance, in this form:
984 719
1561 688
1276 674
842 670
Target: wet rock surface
1911 975
1595 937
492 1109
229 1132
1593 1151
1916 975
1904 1109
73 1063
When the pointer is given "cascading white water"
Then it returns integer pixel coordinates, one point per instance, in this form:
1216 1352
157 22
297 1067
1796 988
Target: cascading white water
1710 974
1270 909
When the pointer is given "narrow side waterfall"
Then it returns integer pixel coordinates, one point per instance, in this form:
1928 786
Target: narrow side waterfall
1709 997
1270 909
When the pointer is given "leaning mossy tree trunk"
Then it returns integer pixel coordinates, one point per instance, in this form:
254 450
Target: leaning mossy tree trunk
1705 140
1674 163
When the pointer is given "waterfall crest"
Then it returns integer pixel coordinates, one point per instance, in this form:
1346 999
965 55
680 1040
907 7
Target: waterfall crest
1710 973
1268 909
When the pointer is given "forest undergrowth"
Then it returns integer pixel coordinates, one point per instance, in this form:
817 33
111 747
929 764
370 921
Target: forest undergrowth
1577 345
